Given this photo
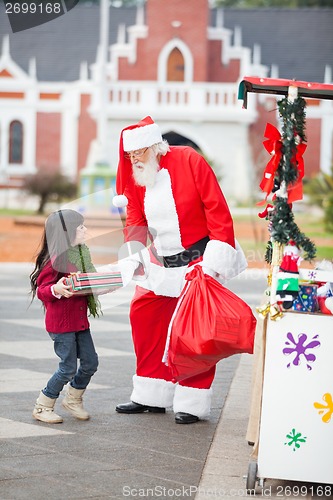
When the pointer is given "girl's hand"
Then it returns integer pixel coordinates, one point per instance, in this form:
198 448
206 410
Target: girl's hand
61 289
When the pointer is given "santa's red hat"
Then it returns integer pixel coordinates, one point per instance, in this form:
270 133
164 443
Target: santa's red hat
143 134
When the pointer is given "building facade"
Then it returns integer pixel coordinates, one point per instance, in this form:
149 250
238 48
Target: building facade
170 63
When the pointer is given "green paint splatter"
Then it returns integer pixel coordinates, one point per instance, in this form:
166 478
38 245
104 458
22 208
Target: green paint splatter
295 439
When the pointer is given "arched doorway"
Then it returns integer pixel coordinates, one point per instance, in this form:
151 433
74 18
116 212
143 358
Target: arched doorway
175 139
176 66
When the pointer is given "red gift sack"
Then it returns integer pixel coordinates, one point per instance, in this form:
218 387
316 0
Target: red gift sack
210 323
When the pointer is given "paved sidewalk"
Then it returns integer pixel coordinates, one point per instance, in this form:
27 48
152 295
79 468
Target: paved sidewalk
229 454
114 456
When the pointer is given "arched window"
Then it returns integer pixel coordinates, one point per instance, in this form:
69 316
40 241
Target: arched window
176 66
16 142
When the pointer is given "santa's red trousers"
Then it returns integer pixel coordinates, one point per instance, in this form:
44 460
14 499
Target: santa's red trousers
150 316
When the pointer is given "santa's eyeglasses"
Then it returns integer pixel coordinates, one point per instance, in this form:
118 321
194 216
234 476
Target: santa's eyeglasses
135 155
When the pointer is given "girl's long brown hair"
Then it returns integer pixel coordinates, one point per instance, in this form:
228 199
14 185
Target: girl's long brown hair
59 234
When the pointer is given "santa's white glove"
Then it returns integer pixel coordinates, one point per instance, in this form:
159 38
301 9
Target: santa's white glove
133 267
126 267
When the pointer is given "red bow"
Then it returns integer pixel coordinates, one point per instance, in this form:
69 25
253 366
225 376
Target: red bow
274 146
295 191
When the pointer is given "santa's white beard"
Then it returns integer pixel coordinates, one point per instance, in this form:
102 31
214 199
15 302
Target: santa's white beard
147 176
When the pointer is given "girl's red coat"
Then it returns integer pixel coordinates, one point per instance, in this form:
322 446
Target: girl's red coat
61 315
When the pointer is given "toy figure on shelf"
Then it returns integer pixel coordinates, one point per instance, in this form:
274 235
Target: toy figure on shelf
288 276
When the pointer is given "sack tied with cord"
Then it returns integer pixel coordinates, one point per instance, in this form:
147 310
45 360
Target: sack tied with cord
210 323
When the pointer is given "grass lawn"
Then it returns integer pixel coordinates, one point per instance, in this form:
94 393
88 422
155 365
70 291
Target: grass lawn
12 212
252 233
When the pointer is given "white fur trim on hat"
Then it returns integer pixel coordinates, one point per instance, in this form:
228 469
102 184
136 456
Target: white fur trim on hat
152 391
192 400
141 137
120 201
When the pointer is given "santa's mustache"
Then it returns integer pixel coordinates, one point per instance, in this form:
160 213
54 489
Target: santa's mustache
144 173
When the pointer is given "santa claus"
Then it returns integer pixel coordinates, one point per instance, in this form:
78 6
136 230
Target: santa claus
174 200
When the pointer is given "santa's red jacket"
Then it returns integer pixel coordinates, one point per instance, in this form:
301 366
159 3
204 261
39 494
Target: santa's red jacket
185 205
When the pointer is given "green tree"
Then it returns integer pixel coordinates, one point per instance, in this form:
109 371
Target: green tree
49 187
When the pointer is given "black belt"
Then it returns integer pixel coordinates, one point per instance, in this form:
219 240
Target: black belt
184 258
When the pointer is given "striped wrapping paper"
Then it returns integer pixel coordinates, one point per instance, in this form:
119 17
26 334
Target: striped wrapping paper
86 283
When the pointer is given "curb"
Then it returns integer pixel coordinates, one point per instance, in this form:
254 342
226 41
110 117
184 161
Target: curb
229 455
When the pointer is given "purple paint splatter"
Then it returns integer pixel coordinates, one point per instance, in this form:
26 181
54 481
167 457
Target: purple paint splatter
312 275
300 348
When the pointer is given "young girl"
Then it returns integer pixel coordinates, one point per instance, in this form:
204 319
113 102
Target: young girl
63 251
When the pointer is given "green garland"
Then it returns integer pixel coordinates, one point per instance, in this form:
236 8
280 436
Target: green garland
293 115
284 229
269 252
283 226
81 258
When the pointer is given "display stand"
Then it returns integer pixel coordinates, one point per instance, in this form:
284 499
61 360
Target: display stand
294 389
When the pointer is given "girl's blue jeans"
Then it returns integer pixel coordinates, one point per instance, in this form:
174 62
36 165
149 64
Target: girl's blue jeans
70 347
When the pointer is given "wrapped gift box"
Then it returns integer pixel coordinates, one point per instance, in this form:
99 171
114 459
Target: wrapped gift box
307 299
316 275
87 283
